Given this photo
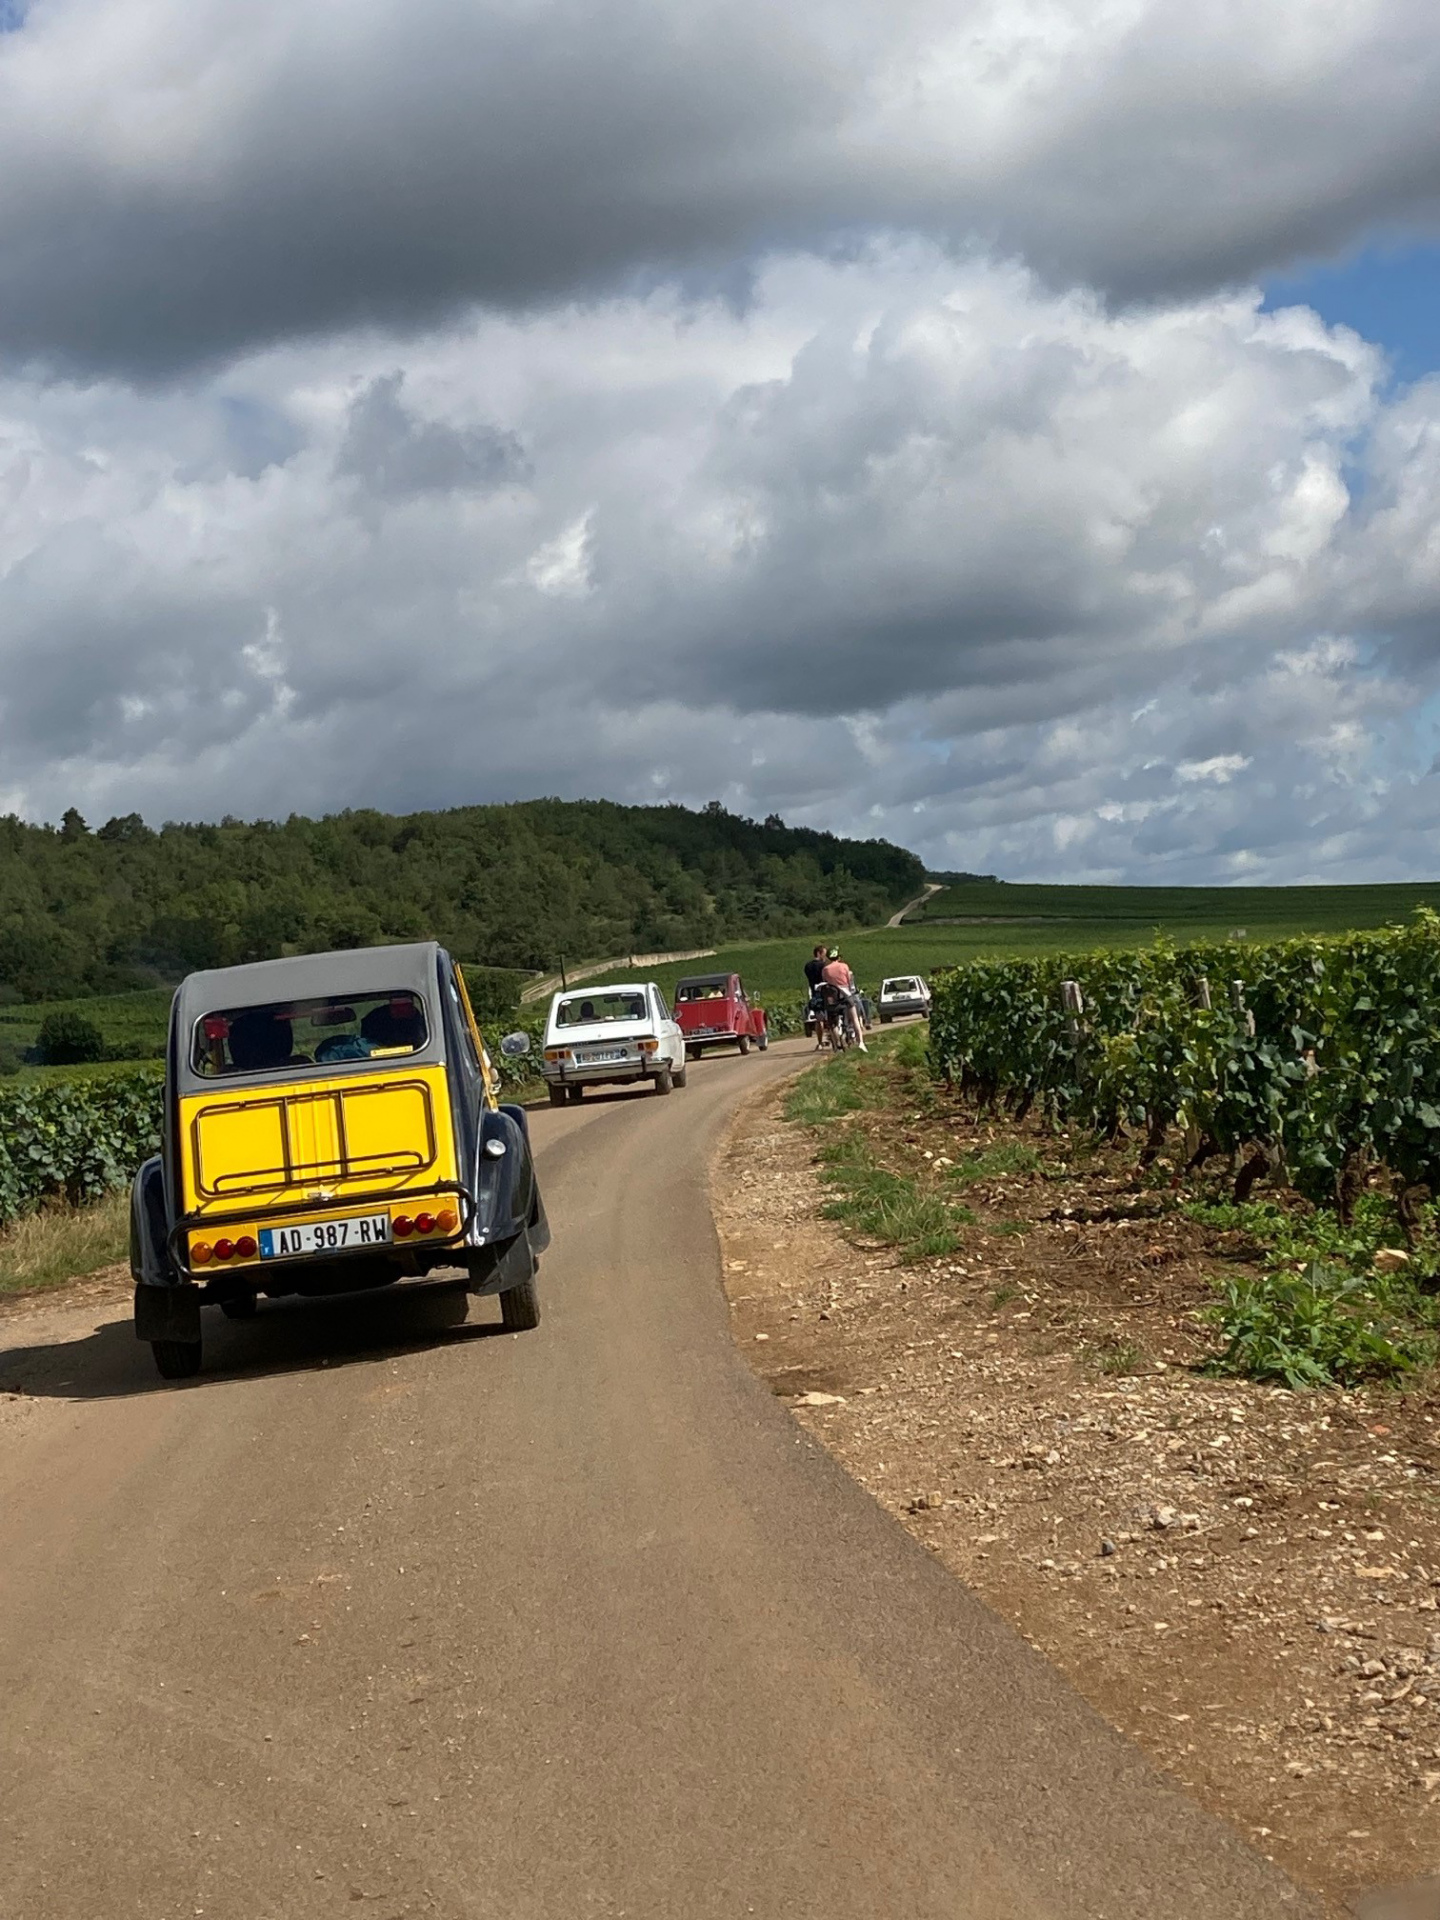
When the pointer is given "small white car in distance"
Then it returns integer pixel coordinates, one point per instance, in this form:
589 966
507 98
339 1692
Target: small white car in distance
901 994
608 1036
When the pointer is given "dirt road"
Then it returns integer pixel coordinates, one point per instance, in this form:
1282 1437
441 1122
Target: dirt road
898 919
391 1615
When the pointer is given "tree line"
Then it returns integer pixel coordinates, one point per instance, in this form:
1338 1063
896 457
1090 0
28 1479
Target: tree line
125 905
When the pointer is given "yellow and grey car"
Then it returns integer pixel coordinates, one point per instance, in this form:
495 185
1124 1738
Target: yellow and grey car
332 1123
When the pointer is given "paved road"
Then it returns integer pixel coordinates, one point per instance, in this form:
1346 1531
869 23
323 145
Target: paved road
388 1615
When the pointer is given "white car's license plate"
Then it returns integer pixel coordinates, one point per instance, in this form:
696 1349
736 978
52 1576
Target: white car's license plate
325 1236
594 1056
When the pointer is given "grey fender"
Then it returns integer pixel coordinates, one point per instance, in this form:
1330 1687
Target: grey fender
150 1263
166 1308
509 1230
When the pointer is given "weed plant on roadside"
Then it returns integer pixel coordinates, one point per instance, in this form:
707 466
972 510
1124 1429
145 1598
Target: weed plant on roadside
994 1163
1296 1236
891 1207
1320 1327
1115 1357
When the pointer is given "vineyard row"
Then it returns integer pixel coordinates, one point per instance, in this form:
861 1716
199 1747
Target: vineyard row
1313 1059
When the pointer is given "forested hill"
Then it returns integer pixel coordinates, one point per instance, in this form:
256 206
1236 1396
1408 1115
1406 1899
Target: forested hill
101 911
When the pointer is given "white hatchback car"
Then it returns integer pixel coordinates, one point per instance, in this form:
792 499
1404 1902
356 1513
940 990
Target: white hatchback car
903 993
608 1036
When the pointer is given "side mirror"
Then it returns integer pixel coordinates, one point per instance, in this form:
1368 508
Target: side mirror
515 1046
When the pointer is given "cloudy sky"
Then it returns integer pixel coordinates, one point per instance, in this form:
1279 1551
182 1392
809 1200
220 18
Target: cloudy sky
1013 428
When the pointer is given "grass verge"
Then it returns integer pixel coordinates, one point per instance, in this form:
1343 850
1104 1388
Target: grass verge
880 1187
48 1248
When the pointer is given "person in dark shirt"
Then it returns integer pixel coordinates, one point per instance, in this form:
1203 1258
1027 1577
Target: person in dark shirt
814 967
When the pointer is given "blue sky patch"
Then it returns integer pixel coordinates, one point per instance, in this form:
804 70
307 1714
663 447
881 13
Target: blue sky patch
1389 293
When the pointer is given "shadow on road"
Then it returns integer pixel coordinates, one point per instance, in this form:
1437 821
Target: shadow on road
607 1096
286 1336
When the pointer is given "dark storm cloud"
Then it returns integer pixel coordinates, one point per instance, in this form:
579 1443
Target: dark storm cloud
181 181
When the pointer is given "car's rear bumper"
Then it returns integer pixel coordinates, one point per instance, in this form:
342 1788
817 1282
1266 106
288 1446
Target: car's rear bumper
249 1220
614 1074
897 1009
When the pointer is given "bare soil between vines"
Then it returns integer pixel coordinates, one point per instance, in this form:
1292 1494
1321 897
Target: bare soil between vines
1243 1578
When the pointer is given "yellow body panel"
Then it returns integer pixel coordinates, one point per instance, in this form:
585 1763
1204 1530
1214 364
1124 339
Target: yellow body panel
353 1141
487 1069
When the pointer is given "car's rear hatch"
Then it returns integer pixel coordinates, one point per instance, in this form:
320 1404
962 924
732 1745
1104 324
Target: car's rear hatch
697 1018
601 1043
343 1137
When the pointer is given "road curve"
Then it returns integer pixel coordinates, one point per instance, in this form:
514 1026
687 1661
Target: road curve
389 1615
898 919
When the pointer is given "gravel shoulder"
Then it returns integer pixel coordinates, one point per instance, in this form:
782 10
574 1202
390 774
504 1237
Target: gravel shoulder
1243 1579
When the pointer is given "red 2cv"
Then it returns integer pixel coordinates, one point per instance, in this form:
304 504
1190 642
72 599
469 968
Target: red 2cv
713 1012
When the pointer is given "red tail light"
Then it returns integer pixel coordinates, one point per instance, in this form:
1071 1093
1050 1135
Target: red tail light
224 1249
424 1223
402 1226
245 1246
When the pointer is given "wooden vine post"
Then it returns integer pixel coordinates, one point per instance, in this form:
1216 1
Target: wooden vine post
1073 1001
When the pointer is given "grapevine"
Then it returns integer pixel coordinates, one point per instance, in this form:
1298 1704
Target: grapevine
1318 1056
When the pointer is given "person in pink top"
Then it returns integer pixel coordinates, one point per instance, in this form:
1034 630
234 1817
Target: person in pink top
837 974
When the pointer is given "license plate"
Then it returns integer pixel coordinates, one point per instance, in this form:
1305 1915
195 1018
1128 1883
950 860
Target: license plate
594 1056
325 1236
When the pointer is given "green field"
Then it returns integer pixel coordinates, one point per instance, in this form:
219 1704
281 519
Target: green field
983 919
990 920
1136 912
133 1024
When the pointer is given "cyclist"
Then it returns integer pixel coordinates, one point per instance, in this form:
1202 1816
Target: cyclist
838 975
814 969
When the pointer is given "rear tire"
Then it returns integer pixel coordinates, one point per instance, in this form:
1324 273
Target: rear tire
664 1080
240 1306
743 1043
682 1073
692 1053
577 1094
763 1042
520 1307
176 1359
558 1096
886 1018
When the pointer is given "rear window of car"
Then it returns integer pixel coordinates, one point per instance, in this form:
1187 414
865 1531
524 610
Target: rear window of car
587 1009
701 990
902 986
285 1034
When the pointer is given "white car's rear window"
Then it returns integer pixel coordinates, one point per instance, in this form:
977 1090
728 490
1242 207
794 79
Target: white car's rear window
587 1009
901 986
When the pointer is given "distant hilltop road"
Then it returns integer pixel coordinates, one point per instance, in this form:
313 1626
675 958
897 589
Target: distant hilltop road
898 919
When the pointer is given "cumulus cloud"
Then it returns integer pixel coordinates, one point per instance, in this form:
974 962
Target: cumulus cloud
902 547
181 181
846 409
